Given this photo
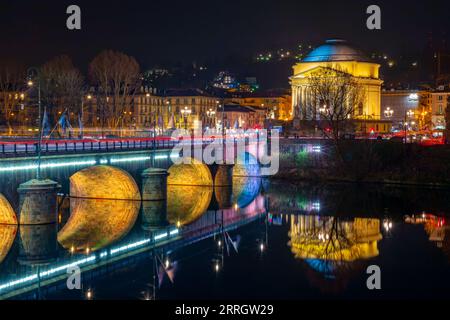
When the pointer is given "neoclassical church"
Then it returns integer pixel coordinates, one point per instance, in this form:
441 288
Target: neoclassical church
340 56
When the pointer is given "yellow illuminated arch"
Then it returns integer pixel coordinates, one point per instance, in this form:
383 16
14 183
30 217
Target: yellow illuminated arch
7 214
193 174
104 182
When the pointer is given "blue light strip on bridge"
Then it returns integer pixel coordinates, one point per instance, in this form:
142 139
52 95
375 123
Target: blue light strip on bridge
48 165
79 163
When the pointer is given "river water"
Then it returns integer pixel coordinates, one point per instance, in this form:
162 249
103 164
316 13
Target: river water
259 239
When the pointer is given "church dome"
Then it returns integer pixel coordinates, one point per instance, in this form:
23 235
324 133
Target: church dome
335 50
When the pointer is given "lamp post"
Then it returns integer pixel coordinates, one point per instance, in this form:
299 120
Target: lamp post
388 113
89 98
210 114
31 84
185 113
223 118
408 114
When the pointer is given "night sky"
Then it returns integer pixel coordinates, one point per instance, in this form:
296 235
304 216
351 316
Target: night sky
158 32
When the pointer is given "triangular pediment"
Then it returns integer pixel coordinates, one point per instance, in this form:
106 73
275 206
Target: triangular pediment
311 71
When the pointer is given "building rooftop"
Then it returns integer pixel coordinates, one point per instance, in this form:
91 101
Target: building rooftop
335 50
184 93
231 107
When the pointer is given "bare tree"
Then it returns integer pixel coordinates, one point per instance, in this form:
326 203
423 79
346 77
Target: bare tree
61 84
12 80
335 98
116 77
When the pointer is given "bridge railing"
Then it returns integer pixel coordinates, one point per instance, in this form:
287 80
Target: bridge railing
30 147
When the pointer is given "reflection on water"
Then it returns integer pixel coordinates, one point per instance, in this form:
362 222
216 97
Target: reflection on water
37 244
331 239
436 227
245 189
331 247
316 239
7 236
96 223
187 203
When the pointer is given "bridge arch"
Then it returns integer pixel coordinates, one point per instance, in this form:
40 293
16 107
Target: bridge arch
104 206
104 182
195 173
7 214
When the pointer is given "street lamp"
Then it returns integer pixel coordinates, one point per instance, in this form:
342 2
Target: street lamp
388 113
323 109
223 119
210 114
408 114
35 72
186 113
89 98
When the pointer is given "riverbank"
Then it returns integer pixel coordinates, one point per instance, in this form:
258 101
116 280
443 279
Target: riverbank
368 162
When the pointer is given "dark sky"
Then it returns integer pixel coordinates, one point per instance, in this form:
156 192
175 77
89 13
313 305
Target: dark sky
158 31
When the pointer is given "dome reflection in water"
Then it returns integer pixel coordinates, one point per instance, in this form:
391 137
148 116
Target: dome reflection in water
333 248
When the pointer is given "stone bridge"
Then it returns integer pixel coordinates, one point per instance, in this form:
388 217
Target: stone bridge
38 198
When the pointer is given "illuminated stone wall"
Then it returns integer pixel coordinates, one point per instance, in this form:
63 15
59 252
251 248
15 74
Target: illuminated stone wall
193 174
7 214
104 182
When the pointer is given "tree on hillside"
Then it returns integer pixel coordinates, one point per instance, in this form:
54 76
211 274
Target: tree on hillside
116 77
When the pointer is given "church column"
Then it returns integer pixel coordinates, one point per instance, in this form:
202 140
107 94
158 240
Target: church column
305 103
294 100
299 102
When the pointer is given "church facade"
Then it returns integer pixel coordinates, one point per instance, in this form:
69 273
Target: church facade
339 56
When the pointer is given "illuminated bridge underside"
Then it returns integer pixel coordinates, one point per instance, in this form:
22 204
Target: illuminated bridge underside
104 182
193 174
96 223
7 236
7 214
187 203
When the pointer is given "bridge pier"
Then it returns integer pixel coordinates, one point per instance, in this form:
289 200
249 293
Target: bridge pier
223 174
154 197
37 202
